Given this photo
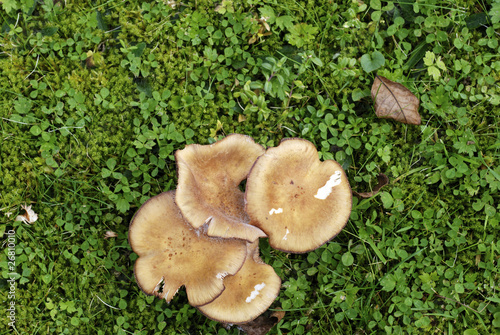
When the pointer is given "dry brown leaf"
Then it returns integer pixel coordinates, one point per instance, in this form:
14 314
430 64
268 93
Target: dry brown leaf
393 100
263 324
252 39
278 314
382 181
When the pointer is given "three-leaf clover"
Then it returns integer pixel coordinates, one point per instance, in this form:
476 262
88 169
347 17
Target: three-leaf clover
433 65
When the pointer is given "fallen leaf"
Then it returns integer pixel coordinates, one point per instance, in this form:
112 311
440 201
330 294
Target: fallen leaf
393 100
109 234
263 324
29 217
252 39
382 181
278 314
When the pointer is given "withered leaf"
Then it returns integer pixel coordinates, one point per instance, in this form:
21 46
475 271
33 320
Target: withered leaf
382 181
110 234
263 324
29 217
90 60
393 100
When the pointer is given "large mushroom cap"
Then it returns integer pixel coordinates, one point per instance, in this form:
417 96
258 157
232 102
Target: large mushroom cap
208 187
248 293
297 200
172 253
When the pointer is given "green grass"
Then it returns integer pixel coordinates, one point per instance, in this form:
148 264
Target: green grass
97 96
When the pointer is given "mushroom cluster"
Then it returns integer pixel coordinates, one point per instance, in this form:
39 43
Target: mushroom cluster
205 235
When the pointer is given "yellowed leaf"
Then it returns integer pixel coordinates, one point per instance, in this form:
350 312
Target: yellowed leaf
264 34
264 23
213 132
393 100
90 59
252 39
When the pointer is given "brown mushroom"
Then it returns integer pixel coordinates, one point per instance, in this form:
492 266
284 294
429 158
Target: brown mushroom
208 186
248 293
172 253
297 200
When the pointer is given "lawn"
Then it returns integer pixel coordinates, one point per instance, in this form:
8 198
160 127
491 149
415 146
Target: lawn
97 96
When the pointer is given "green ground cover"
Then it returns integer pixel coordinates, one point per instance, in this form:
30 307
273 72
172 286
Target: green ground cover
97 95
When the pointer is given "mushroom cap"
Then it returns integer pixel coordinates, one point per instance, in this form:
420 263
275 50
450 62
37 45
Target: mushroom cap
208 185
248 293
172 253
297 200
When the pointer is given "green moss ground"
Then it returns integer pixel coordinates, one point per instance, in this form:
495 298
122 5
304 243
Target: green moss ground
97 95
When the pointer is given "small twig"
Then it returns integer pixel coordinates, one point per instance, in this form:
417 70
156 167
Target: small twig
17 21
15 121
36 65
109 31
274 107
106 303
238 101
395 42
59 129
290 130
458 302
272 76
50 131
155 47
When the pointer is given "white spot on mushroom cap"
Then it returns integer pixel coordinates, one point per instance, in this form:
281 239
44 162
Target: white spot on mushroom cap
286 234
324 192
255 292
275 211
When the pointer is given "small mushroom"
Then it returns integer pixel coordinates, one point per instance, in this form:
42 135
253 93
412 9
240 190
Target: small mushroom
297 200
172 253
248 293
208 185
